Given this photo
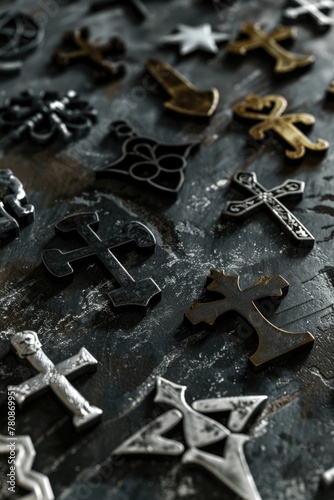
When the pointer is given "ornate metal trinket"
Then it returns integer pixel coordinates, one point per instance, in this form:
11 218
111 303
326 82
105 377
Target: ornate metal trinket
131 294
19 34
15 211
285 61
92 53
274 343
27 346
313 9
185 97
270 199
328 477
37 484
137 6
44 116
191 38
254 107
200 431
146 161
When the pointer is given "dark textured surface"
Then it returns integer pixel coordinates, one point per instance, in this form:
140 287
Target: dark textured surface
293 438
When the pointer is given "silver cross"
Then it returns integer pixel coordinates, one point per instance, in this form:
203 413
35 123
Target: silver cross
313 9
34 482
28 346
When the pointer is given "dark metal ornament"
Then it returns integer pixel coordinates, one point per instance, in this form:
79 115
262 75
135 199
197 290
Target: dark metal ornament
146 161
92 53
185 97
268 110
314 9
19 34
131 294
200 431
137 5
36 483
274 343
271 201
27 346
285 61
15 211
44 116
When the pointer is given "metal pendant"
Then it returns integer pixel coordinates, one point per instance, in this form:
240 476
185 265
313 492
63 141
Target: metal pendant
274 343
148 162
185 97
131 294
285 61
270 200
15 211
200 431
268 110
19 35
44 116
192 38
37 484
312 9
27 346
92 53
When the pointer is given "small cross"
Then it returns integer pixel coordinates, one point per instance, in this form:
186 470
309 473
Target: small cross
285 61
92 52
270 199
27 346
313 9
274 343
137 5
253 108
131 294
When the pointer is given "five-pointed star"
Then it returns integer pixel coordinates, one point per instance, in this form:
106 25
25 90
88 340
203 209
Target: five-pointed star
193 38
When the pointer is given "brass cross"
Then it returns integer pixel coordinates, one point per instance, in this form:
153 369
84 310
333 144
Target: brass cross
253 108
285 61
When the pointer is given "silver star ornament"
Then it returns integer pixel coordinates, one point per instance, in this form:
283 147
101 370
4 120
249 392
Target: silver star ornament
191 38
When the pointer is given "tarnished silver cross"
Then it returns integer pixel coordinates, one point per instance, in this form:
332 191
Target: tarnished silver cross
28 346
270 199
314 9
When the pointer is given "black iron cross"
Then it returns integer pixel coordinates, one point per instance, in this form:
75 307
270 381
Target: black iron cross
274 343
270 199
137 6
131 294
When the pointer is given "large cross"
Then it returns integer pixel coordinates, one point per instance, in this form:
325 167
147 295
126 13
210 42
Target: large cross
274 343
313 9
253 108
137 5
285 61
27 346
270 200
131 294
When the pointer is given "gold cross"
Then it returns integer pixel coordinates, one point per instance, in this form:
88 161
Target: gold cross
284 125
285 61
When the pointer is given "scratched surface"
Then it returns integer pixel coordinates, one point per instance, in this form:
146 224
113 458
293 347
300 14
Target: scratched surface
292 440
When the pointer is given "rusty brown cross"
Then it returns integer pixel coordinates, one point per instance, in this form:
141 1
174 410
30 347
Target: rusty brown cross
92 52
285 61
274 343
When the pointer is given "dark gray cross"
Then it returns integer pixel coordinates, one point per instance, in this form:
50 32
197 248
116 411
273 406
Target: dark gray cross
270 199
133 294
27 346
137 6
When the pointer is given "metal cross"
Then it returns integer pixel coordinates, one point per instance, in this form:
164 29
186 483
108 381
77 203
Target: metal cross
27 346
36 483
137 5
93 53
274 343
15 211
271 200
285 61
200 431
313 9
132 294
253 108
